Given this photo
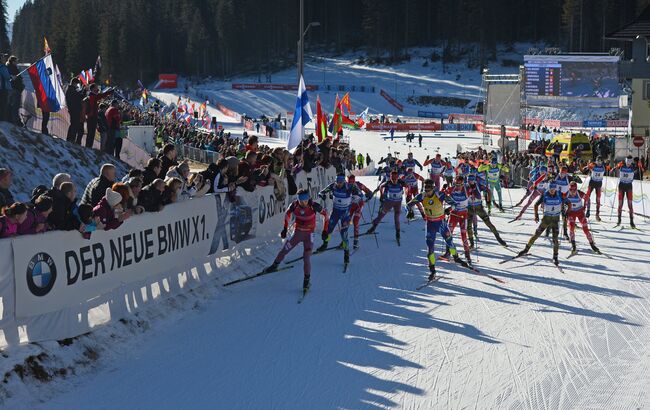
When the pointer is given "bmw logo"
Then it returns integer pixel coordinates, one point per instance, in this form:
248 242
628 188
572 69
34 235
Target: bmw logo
41 274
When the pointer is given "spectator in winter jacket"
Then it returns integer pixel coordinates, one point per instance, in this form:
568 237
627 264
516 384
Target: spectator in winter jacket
61 202
135 187
6 178
168 159
102 126
151 171
92 112
150 198
74 101
84 215
11 218
17 87
114 123
96 188
172 191
188 188
246 169
5 89
109 212
36 220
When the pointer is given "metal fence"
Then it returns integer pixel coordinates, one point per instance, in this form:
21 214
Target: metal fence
196 154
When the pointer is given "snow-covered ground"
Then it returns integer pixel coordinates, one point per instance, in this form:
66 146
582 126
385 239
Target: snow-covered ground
368 339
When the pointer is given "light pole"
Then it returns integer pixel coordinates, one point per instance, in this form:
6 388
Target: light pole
301 39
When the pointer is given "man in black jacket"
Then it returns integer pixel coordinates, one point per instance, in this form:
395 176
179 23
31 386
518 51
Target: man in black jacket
151 171
17 87
96 189
74 96
6 198
168 159
150 197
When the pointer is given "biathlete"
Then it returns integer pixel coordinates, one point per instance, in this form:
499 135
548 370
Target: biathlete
411 180
626 177
431 205
391 194
458 214
342 193
357 207
475 210
576 210
438 166
596 171
493 173
303 211
552 202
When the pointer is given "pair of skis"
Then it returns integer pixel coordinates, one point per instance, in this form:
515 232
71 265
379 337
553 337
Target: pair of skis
526 254
473 269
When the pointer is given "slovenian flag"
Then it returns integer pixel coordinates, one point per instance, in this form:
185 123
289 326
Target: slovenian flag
47 85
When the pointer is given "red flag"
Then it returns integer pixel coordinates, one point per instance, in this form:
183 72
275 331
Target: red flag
321 122
335 124
345 102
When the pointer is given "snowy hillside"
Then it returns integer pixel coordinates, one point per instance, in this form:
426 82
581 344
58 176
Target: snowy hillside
369 339
418 77
35 158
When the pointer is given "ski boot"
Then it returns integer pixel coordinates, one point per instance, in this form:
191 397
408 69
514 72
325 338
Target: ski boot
632 223
322 247
619 221
432 275
501 241
355 243
594 247
397 238
598 217
272 268
587 213
371 230
305 284
468 256
523 251
555 261
574 250
346 256
471 243
410 215
566 234
446 256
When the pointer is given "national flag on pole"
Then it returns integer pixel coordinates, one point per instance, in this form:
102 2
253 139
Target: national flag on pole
46 47
335 124
86 76
345 102
362 118
301 117
47 84
98 66
321 121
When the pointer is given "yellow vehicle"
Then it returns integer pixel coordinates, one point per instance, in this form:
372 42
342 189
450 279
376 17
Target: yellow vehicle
572 145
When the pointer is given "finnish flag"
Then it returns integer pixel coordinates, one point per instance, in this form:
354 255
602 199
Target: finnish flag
301 117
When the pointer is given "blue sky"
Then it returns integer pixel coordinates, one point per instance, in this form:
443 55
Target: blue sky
12 8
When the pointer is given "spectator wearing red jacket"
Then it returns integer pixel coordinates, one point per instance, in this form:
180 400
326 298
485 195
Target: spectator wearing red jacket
114 122
92 101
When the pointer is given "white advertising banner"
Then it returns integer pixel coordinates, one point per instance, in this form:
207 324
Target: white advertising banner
60 269
57 277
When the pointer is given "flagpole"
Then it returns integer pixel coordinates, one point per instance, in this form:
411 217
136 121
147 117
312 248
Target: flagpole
32 65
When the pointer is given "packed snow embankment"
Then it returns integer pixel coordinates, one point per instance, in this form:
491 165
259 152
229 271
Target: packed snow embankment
35 158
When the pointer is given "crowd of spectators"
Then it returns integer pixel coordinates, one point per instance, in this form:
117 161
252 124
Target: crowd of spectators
106 202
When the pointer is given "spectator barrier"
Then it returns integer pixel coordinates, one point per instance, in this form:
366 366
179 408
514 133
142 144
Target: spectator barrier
59 285
58 127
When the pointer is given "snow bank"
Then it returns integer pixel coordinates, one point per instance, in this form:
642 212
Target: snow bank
35 158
